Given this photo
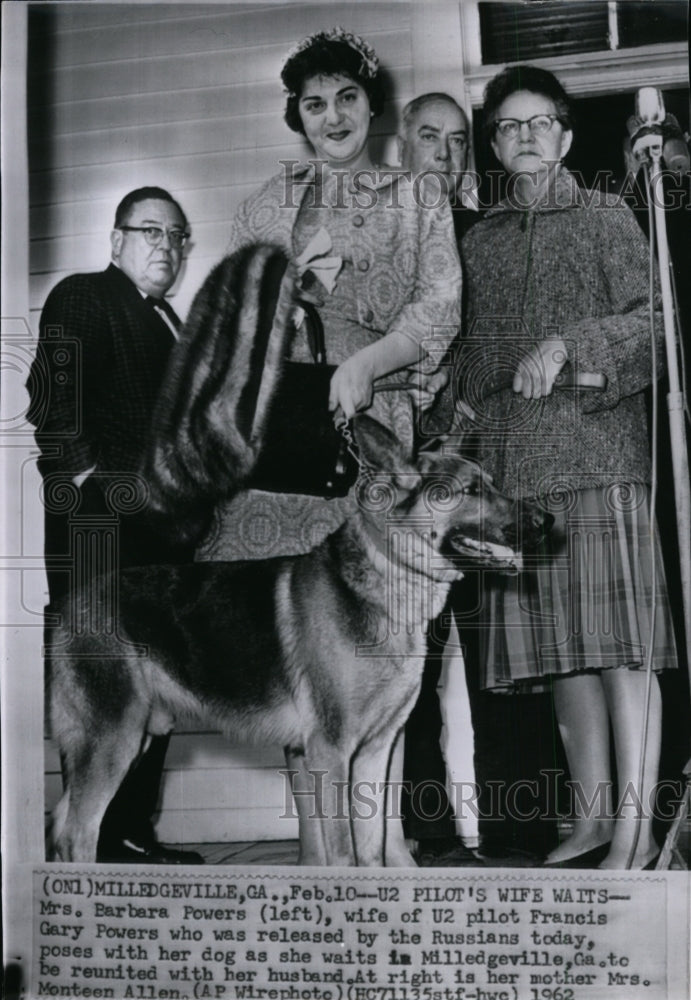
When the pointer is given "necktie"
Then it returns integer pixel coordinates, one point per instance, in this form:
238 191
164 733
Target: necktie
165 307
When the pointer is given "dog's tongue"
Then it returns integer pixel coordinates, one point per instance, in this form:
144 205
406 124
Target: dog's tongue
500 553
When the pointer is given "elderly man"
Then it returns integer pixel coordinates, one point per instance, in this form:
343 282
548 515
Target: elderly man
434 138
103 347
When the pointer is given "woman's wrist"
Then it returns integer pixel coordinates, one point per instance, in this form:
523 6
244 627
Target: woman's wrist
391 353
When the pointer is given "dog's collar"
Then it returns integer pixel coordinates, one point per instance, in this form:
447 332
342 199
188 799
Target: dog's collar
379 547
427 589
375 543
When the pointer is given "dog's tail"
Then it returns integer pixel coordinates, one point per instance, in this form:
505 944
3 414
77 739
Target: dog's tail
208 422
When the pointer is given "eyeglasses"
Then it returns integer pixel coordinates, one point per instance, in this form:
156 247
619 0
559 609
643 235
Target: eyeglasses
153 235
538 125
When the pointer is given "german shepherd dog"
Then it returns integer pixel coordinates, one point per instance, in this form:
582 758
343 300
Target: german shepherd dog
322 652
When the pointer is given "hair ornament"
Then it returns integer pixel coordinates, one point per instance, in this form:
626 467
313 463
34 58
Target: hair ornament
370 61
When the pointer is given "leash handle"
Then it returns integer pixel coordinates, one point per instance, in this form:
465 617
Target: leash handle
580 380
572 378
568 378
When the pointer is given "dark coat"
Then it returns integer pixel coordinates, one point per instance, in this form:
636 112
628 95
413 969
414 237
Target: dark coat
100 361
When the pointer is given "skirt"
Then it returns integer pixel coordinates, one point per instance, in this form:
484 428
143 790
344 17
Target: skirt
593 597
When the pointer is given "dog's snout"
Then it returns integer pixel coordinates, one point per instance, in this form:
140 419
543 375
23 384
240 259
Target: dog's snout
536 524
529 525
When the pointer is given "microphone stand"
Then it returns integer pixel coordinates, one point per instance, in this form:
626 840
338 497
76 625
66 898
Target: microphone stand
675 401
652 143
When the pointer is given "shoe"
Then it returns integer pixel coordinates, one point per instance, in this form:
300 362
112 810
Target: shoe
150 852
589 859
447 852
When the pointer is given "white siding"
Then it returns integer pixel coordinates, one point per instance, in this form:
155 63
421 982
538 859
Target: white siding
213 791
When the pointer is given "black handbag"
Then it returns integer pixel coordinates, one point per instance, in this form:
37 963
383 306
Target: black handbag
302 451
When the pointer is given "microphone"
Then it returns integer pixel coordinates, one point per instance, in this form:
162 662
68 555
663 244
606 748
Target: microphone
650 108
651 128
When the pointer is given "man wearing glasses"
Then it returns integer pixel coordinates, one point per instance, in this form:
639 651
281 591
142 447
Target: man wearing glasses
103 348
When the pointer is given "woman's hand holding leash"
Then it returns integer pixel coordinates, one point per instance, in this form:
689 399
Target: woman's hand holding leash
566 378
423 388
352 383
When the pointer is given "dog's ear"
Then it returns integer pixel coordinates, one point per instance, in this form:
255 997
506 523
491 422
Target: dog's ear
461 443
381 450
434 444
430 450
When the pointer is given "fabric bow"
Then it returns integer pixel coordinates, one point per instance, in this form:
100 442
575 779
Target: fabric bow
313 258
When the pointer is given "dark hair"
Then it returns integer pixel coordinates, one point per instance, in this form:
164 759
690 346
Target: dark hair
122 212
530 78
327 57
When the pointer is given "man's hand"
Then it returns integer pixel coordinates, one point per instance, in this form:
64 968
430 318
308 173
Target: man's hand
538 369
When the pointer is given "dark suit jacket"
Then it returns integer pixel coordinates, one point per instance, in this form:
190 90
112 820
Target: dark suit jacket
100 360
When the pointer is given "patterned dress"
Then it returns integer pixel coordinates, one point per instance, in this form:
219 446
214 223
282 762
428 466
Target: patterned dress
400 269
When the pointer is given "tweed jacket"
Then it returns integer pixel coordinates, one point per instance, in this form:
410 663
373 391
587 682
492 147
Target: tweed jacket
405 261
576 268
101 357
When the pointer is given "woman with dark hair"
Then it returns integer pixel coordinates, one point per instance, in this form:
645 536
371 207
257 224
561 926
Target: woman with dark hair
382 268
330 54
559 276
